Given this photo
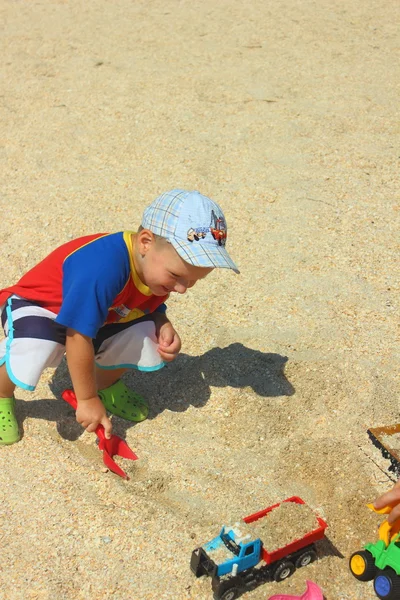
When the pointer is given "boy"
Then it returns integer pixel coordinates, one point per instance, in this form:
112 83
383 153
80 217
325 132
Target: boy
100 299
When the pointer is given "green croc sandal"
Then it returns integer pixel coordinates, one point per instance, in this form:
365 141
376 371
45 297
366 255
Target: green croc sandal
9 431
123 402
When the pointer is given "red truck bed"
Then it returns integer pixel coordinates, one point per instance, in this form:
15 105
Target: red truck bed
311 537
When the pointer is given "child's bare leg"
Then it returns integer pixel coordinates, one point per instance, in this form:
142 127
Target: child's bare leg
7 387
9 432
106 377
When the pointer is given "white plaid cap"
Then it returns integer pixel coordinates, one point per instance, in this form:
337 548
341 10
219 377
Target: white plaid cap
194 225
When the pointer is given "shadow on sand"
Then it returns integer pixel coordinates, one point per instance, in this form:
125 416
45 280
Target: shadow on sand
185 382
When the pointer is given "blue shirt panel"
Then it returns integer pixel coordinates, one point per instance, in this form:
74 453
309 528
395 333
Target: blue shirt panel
93 276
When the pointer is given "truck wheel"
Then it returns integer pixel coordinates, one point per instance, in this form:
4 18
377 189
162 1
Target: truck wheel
284 570
229 589
362 565
387 585
305 559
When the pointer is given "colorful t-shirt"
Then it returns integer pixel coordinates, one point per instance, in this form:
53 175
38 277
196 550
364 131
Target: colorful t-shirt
89 282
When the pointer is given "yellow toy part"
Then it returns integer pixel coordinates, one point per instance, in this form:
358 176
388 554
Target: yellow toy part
387 532
358 564
380 511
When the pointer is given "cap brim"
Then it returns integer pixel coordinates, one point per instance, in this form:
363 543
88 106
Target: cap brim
205 255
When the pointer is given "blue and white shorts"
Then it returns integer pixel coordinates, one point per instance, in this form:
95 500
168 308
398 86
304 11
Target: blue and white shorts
34 341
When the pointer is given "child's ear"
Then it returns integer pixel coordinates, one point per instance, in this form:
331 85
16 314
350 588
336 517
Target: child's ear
145 239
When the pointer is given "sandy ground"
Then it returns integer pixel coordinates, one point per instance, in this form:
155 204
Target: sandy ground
285 112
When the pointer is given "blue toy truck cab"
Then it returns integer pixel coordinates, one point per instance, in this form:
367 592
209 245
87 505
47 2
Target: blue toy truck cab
243 555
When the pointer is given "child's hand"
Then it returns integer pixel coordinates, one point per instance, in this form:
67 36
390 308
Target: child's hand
391 498
91 413
169 342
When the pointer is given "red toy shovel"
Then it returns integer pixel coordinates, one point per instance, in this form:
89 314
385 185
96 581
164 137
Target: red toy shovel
112 447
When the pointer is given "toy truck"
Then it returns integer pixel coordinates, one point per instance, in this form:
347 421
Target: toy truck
380 561
238 563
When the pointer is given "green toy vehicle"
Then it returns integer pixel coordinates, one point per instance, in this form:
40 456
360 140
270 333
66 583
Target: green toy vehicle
380 562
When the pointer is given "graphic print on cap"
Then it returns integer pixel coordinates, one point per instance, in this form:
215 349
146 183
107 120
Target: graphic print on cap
218 232
217 229
197 234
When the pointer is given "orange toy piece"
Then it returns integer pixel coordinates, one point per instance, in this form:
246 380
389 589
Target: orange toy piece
387 531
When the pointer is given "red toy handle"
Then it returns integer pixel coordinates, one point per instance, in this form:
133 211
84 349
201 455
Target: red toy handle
69 396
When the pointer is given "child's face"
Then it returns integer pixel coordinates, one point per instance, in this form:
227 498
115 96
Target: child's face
162 269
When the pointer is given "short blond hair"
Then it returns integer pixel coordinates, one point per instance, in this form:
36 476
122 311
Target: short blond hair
158 238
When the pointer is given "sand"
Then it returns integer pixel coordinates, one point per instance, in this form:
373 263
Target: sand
286 113
283 525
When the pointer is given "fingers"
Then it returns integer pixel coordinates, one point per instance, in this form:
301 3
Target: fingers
395 514
382 501
88 424
169 339
166 336
167 355
91 426
392 499
176 344
107 427
389 498
171 351
91 413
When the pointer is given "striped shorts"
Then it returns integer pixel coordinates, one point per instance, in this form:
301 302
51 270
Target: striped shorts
34 341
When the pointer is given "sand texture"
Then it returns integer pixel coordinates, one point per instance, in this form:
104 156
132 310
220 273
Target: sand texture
287 114
283 525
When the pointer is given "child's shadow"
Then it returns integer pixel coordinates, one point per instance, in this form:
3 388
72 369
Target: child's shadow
183 383
188 380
